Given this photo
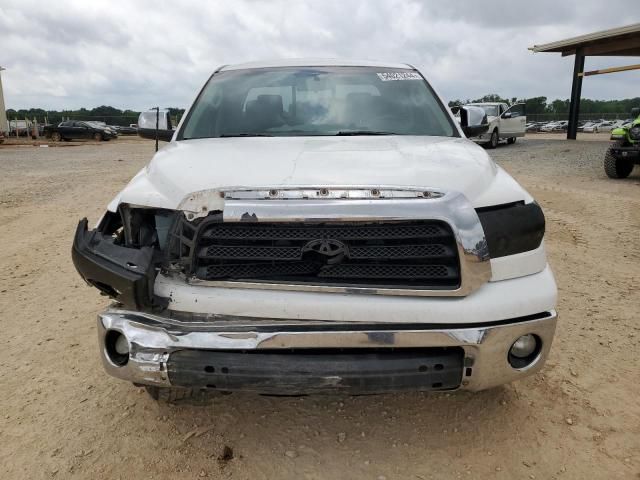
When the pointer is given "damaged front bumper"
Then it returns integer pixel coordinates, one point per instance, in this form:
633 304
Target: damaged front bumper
289 357
124 274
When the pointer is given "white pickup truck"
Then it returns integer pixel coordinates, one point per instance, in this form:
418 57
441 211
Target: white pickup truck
320 226
505 123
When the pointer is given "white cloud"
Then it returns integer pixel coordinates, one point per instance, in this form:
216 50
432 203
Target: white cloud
144 53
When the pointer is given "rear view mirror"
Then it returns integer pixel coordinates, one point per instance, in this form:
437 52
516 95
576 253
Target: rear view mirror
147 125
507 115
473 121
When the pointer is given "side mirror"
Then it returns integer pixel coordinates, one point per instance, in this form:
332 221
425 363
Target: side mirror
635 112
473 121
507 115
147 125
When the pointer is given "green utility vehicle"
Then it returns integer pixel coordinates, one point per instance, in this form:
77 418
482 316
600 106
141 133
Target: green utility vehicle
624 152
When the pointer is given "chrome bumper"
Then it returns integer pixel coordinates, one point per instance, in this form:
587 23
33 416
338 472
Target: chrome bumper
152 339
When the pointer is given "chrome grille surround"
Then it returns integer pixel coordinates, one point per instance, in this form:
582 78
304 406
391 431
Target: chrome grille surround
406 204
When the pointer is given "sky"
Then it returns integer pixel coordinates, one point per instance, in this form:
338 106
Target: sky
140 54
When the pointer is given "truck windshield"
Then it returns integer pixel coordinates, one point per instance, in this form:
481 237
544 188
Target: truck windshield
297 101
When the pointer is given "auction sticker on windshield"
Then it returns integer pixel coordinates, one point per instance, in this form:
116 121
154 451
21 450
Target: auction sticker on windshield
388 76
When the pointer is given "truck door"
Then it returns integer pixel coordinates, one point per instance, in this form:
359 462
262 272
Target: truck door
513 122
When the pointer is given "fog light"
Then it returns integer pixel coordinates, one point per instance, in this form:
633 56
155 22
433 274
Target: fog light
524 346
117 348
122 345
524 351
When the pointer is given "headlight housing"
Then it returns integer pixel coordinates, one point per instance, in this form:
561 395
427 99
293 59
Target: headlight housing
146 226
512 228
634 132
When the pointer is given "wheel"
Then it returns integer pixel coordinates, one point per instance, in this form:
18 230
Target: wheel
595 130
615 168
56 137
97 137
493 141
179 395
511 140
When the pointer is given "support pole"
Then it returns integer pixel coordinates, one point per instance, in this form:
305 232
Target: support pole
157 109
576 90
4 124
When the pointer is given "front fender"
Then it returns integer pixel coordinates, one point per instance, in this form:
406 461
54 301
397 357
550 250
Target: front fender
619 134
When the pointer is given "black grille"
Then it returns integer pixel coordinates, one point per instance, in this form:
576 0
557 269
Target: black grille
418 254
382 270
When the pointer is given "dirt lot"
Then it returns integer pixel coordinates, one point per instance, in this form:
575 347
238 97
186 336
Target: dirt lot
62 417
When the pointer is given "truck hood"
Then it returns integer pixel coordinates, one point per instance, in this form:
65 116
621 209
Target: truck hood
206 166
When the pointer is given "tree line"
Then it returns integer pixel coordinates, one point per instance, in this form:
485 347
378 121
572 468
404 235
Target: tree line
540 106
104 113
535 107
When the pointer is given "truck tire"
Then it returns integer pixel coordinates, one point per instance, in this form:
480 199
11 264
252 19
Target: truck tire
179 395
56 137
511 140
615 168
493 141
97 137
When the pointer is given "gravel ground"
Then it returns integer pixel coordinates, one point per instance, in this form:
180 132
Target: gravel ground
62 417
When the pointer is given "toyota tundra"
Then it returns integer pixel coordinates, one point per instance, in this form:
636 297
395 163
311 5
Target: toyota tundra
320 226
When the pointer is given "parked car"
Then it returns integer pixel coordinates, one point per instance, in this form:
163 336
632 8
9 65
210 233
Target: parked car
587 125
320 226
505 123
548 126
533 126
124 130
624 152
557 126
19 128
108 128
561 126
71 130
591 127
600 126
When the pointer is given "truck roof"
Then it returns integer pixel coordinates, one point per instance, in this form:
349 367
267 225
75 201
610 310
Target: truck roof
315 62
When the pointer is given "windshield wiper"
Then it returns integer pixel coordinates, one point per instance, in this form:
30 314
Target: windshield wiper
226 135
346 133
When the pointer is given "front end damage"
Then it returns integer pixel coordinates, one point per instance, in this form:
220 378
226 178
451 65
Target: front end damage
117 266
308 290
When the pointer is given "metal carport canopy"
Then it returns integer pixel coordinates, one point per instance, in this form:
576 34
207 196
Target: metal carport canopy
615 42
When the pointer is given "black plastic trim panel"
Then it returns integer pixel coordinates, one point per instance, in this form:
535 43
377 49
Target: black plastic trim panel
124 274
626 153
